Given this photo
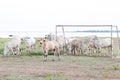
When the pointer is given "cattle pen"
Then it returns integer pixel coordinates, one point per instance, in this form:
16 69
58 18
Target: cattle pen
111 27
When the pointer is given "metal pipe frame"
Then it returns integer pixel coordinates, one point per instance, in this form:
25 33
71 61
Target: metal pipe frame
111 26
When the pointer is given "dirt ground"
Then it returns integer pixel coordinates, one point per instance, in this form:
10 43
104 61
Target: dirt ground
69 68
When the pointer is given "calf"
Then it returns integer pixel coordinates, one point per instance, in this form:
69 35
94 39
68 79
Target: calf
49 46
30 43
77 47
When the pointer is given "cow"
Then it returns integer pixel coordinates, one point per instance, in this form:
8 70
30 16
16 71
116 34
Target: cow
99 44
13 45
90 38
77 47
29 42
47 45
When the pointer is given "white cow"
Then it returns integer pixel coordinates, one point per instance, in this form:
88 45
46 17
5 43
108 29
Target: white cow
105 43
13 45
30 43
90 38
100 43
50 37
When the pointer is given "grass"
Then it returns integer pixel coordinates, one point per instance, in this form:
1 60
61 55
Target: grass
115 67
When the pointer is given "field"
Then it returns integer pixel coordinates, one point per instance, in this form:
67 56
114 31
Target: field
32 67
69 68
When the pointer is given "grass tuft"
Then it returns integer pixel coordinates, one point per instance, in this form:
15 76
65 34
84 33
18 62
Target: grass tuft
115 67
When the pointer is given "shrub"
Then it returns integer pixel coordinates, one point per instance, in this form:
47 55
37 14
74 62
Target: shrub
115 67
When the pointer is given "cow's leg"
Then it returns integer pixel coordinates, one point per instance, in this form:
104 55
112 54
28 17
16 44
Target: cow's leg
18 49
59 56
92 51
34 46
55 53
89 50
110 50
28 49
5 51
45 55
69 49
12 51
74 51
79 51
58 53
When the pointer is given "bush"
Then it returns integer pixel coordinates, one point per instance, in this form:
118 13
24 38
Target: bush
115 67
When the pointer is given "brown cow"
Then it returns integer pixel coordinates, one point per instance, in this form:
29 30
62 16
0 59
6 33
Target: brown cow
49 46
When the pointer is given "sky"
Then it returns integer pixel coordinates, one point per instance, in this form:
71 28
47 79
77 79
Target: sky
44 15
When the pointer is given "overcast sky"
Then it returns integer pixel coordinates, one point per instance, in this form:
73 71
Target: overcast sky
43 15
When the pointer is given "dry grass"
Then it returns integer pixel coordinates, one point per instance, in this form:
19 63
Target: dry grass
69 68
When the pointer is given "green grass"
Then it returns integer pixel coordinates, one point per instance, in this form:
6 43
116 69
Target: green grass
115 67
